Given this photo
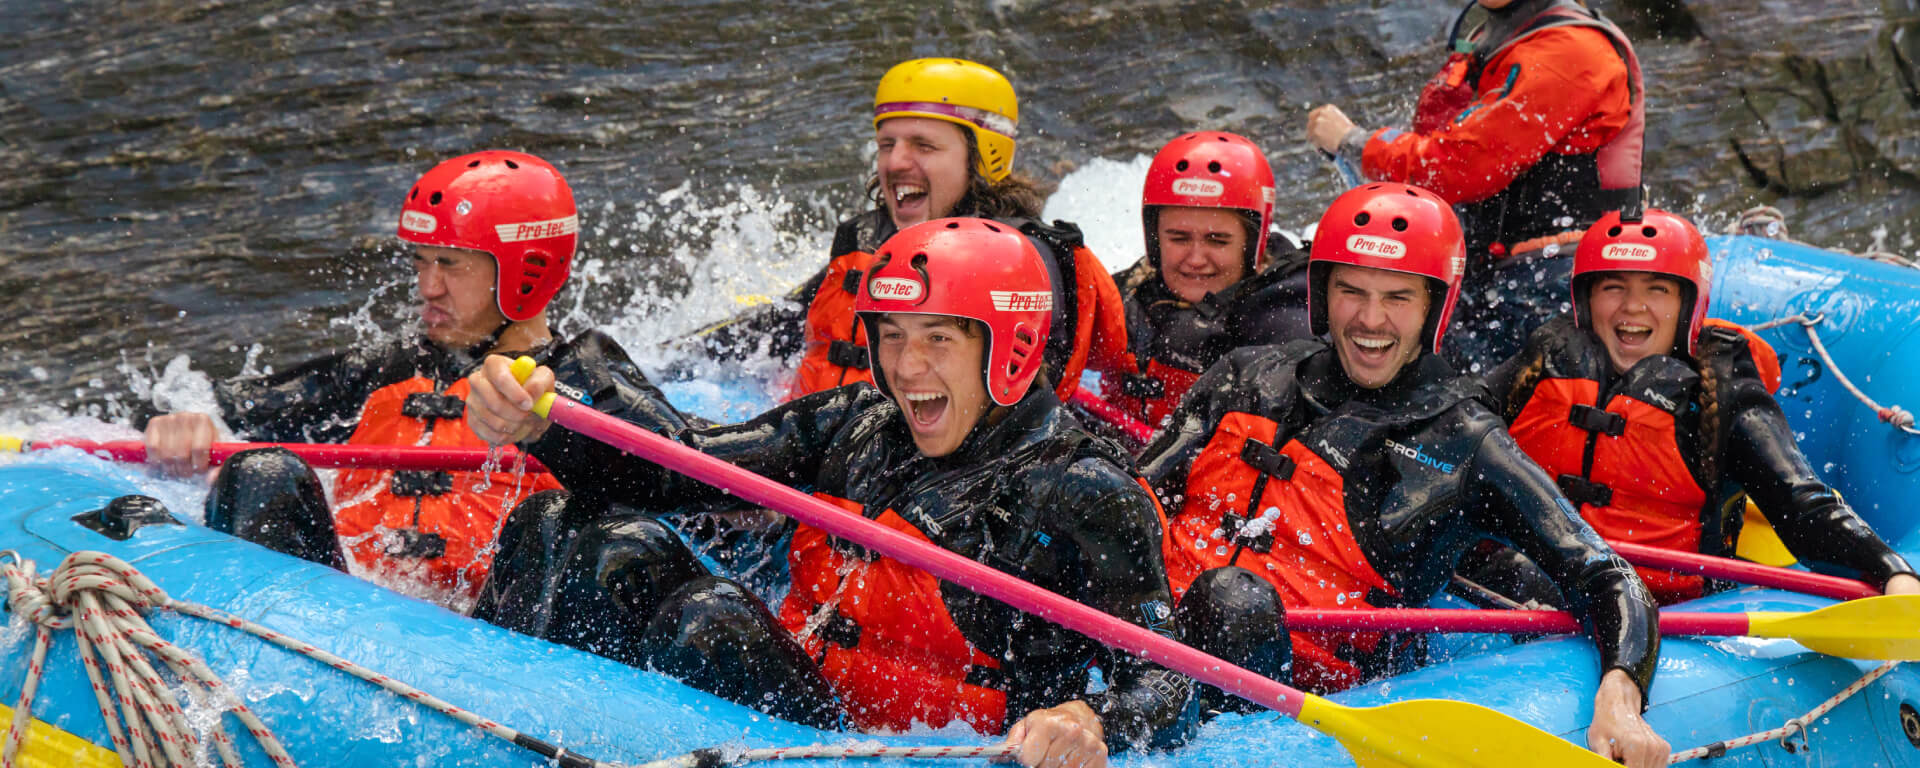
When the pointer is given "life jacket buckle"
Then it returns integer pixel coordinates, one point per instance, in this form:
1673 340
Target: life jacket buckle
851 282
1580 490
420 482
1263 457
847 354
1141 386
433 405
986 677
840 630
416 544
1593 419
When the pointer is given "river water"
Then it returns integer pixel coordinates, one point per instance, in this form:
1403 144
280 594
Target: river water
213 184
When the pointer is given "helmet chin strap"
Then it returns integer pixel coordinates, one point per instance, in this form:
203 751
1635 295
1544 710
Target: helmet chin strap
479 349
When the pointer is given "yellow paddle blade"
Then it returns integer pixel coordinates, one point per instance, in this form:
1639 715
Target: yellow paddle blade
752 299
1441 733
1759 543
47 747
1885 628
11 444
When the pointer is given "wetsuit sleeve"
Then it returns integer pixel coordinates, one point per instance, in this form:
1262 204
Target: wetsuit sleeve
1117 535
1559 86
604 377
786 444
1512 499
1814 522
318 401
1166 460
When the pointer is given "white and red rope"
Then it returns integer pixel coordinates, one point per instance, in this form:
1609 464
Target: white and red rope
1900 418
1795 725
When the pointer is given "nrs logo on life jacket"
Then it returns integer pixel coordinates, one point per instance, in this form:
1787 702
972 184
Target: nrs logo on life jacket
1384 247
897 288
1413 452
1629 252
1199 187
415 221
1022 301
537 230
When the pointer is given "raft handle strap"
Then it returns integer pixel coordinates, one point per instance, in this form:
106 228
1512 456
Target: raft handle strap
1894 415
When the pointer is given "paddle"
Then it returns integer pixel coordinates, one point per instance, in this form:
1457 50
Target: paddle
1881 628
317 455
1742 571
1407 733
1135 429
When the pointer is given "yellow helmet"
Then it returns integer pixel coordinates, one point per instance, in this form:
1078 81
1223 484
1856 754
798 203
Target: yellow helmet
972 96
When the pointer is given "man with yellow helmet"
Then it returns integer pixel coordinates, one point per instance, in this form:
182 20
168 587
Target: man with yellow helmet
945 133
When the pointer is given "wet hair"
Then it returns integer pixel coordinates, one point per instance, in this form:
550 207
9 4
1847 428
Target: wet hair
1016 196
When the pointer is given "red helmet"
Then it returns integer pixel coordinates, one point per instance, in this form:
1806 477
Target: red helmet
510 204
972 268
1395 227
1657 242
1210 169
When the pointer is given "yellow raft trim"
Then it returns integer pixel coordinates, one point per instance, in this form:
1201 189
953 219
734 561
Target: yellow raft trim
49 747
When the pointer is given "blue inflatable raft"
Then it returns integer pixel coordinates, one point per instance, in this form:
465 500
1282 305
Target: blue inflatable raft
1706 691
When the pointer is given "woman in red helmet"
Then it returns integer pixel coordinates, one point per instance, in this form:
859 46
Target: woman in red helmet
963 444
492 236
1354 471
1653 417
1213 277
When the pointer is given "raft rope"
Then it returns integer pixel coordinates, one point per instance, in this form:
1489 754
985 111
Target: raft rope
1785 733
1900 418
719 757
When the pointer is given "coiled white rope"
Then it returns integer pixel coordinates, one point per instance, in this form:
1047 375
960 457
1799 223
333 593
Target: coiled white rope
1900 418
1795 725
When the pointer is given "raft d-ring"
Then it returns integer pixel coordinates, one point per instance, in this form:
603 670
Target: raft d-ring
1813 319
8 554
1795 726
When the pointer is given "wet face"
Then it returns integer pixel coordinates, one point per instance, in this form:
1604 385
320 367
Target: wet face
456 287
922 165
1202 250
1375 318
933 366
1635 314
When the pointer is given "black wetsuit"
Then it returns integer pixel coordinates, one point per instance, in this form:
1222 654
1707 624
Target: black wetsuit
1032 494
1755 451
1413 511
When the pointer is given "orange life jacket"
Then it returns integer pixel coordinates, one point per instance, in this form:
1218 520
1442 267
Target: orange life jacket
433 528
1621 460
884 638
836 344
1239 483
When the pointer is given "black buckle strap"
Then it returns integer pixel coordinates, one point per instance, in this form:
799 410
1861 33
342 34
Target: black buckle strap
851 282
420 482
1143 387
433 405
847 354
1233 523
839 630
410 543
1580 490
1263 457
1593 419
986 677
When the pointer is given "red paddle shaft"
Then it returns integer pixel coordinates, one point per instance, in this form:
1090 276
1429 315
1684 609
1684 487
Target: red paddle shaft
1742 571
319 456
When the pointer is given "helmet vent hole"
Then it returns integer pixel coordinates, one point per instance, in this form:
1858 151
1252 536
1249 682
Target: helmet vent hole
525 289
513 165
1399 224
1180 166
1613 232
1213 167
953 225
434 200
536 260
1372 187
991 228
415 195
1411 193
1360 219
474 164
1649 231
1219 138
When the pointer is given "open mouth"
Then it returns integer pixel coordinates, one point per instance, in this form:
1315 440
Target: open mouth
924 409
908 195
1631 334
1372 348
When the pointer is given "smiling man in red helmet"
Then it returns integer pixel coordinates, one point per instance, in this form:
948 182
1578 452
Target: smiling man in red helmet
493 236
1355 471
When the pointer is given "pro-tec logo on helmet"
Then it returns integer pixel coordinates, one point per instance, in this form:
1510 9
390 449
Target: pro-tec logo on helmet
1022 301
1198 187
1384 247
537 230
415 221
1629 252
896 288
